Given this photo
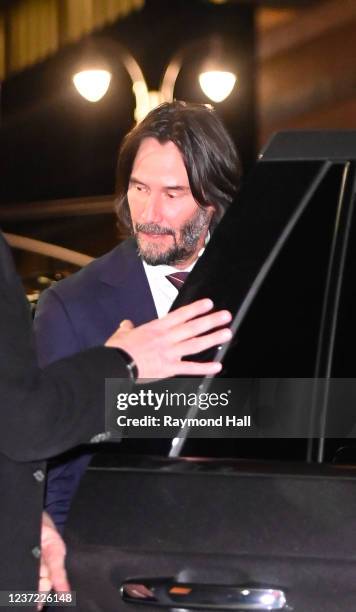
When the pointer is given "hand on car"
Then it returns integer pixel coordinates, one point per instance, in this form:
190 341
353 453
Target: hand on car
157 347
52 570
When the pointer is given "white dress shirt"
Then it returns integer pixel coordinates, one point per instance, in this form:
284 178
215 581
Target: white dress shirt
163 291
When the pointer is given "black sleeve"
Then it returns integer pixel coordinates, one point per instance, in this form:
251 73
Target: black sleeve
45 412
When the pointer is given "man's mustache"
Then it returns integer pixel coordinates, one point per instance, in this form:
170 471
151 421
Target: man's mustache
153 228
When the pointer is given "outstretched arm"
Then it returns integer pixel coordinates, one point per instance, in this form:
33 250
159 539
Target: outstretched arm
39 420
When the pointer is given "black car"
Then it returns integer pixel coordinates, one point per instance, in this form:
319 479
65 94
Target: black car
272 525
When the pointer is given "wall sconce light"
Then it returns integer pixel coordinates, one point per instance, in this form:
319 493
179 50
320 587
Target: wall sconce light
92 84
216 82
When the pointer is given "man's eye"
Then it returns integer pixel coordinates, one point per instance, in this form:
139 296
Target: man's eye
139 188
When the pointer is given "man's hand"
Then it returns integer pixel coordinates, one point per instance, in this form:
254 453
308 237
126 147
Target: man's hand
52 570
157 347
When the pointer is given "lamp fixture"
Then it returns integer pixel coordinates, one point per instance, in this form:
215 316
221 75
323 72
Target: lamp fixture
216 78
215 81
92 84
217 84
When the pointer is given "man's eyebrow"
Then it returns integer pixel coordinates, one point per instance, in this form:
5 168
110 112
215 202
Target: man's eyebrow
135 181
177 187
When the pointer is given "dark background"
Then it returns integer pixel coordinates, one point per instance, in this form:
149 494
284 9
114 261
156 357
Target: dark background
56 144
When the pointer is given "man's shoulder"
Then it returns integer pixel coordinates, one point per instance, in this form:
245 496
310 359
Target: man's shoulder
96 271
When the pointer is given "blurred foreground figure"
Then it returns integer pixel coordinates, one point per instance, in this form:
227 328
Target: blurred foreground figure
46 412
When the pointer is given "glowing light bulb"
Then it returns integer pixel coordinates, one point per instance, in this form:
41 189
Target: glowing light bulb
92 84
217 84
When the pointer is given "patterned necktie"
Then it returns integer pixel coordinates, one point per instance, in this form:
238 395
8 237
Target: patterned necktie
177 279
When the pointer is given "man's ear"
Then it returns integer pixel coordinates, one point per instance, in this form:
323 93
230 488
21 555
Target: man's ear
214 211
217 215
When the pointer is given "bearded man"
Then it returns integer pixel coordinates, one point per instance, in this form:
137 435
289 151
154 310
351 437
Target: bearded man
177 172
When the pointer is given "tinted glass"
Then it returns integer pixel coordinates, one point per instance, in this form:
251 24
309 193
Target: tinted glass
341 415
279 335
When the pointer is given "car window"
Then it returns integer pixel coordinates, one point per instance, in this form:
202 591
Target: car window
278 338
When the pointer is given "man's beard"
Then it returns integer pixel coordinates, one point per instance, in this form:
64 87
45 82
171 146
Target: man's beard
183 247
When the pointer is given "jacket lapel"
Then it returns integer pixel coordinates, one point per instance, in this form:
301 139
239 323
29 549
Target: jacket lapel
125 292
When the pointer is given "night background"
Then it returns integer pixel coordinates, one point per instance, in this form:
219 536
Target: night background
293 61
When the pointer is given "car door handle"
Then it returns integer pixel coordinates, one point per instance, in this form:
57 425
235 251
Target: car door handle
166 593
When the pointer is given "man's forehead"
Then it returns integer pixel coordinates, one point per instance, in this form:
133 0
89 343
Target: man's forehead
154 157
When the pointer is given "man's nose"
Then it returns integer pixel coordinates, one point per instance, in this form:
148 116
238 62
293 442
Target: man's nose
152 211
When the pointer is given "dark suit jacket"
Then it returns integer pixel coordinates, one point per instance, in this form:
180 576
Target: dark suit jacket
77 313
42 414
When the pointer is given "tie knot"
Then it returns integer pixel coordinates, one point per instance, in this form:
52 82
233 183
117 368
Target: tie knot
177 279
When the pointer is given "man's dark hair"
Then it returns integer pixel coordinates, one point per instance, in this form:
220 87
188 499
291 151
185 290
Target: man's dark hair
208 152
